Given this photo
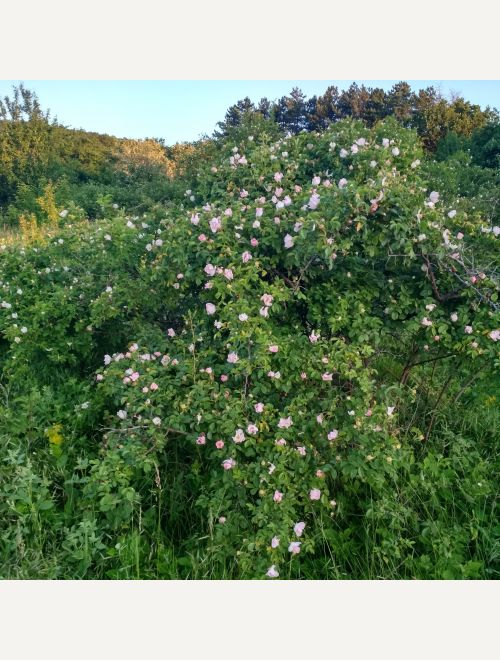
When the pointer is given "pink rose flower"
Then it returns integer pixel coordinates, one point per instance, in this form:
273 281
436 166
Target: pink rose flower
210 270
252 429
219 444
272 572
245 257
294 547
228 464
275 542
285 423
239 436
277 497
233 358
333 435
259 407
299 528
215 225
273 348
314 494
314 201
210 307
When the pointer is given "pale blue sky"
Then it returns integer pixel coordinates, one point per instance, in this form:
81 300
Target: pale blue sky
184 110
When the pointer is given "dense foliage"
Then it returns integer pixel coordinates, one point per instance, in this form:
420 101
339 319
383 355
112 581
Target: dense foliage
289 370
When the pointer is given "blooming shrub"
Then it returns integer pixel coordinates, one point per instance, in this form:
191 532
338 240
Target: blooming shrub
242 340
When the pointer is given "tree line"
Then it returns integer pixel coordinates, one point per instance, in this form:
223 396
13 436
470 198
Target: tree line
37 150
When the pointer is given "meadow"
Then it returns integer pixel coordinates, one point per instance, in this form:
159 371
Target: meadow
268 354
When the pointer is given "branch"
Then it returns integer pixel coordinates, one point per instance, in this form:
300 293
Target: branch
453 295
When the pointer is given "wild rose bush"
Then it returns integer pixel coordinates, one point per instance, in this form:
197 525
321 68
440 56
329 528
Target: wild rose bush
241 341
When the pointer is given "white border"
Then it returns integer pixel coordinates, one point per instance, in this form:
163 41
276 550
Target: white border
259 40
257 620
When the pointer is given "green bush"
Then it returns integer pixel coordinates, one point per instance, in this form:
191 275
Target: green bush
268 382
